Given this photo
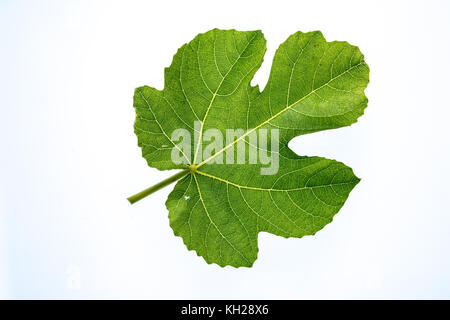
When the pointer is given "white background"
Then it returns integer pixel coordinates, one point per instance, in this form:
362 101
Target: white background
69 157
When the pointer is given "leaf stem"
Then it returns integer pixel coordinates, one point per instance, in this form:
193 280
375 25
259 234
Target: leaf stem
158 186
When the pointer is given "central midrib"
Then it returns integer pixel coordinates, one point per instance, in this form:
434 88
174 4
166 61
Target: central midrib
215 94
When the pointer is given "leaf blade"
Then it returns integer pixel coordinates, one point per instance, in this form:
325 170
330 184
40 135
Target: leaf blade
218 210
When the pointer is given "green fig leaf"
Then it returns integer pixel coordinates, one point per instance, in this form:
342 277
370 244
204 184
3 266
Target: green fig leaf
217 208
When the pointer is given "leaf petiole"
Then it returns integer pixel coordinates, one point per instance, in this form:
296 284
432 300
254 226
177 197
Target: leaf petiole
158 186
